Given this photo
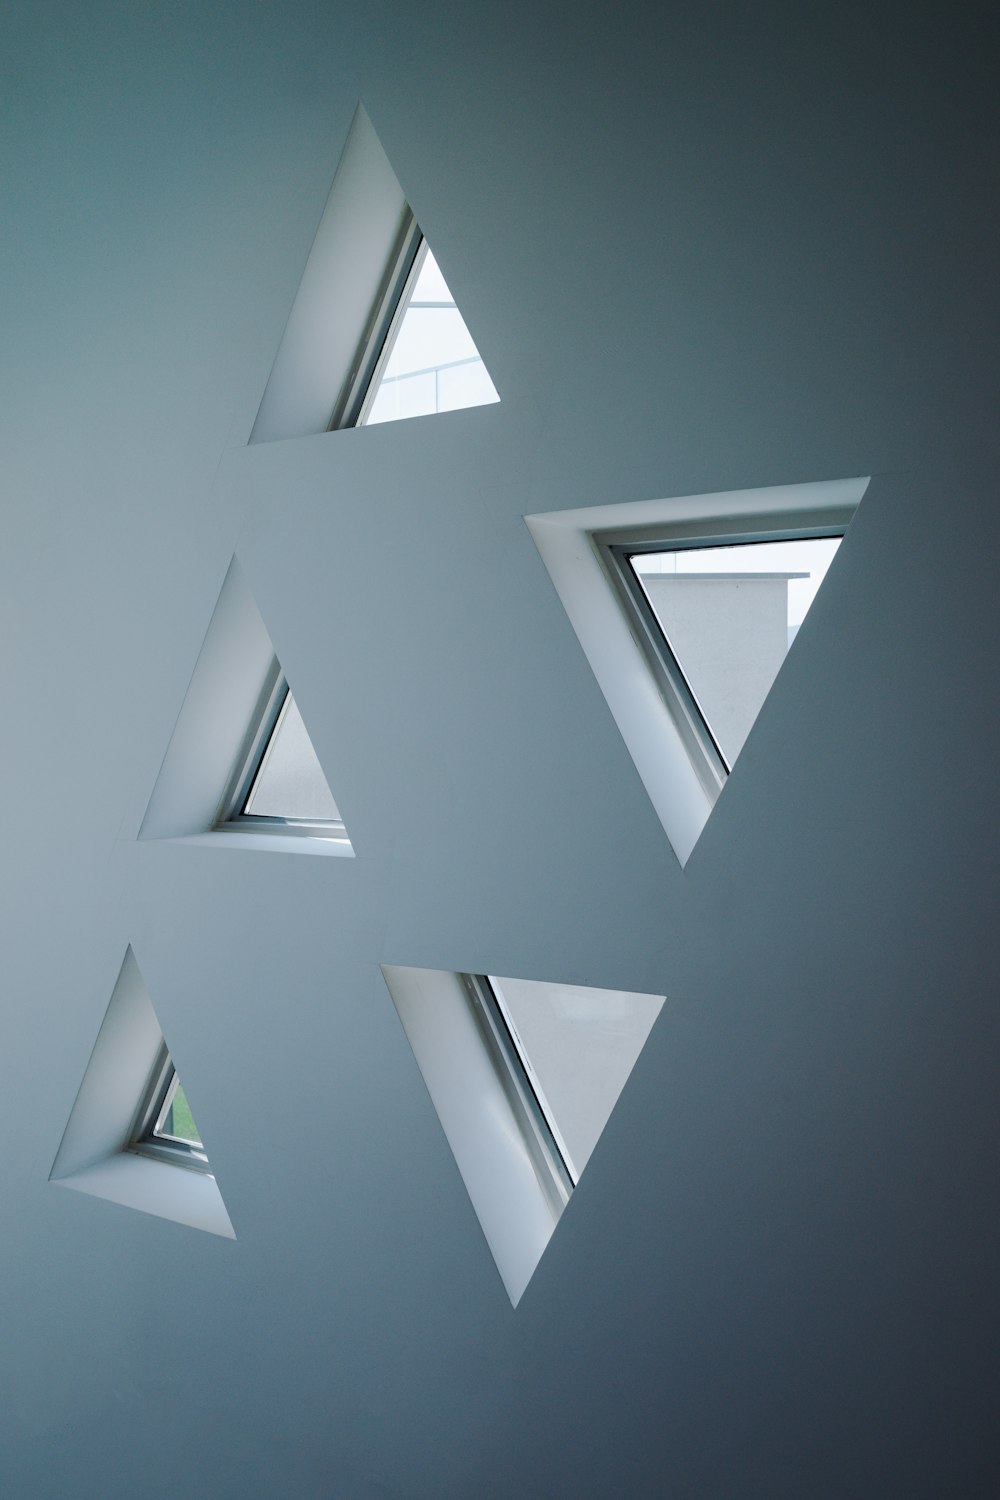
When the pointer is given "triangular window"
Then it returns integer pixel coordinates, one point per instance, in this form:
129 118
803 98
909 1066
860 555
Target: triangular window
686 608
165 1126
524 1076
280 785
428 361
373 334
131 1125
724 618
289 783
568 1050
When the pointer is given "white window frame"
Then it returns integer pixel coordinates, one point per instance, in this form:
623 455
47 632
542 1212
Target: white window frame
680 767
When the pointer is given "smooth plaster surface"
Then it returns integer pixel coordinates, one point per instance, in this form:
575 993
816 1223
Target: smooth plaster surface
709 247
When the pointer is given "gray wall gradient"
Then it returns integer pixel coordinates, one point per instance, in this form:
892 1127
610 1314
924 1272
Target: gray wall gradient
703 247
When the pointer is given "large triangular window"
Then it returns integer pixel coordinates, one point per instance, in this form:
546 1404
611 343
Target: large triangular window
686 608
279 785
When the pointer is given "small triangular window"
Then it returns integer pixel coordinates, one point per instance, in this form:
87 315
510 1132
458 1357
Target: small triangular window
428 362
164 1126
289 782
577 1046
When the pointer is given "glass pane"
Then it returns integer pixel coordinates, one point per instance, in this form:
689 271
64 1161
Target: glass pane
290 782
729 615
178 1121
579 1045
433 364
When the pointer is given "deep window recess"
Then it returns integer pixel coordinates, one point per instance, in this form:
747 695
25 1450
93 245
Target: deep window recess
715 615
164 1127
417 356
279 785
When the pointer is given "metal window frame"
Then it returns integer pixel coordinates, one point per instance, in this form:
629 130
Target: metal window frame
145 1138
527 1101
375 347
233 816
615 550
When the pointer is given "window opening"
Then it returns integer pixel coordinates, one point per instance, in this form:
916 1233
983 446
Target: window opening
524 1075
716 616
417 356
164 1127
280 786
567 1051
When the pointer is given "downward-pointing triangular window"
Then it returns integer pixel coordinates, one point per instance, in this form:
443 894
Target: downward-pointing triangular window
524 1076
165 1127
131 1137
577 1046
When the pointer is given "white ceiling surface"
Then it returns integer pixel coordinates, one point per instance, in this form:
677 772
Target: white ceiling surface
744 246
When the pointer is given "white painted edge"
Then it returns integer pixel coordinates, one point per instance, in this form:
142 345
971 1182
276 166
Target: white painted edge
565 543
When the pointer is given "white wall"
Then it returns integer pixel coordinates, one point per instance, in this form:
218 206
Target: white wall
737 246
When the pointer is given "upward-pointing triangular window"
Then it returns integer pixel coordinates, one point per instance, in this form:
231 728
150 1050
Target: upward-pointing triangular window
374 333
131 1137
280 783
164 1127
241 770
577 1047
686 608
428 361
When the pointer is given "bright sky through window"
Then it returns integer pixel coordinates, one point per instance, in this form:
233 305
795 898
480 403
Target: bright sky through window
729 615
431 363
